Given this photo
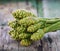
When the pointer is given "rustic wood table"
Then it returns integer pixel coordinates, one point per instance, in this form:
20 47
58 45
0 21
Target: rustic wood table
50 42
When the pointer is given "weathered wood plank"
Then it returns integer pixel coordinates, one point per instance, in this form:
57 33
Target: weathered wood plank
7 43
55 45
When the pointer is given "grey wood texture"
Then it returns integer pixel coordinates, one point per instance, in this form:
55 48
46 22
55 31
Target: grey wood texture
8 44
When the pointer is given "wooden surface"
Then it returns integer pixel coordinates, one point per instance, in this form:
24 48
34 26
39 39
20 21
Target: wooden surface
8 44
55 44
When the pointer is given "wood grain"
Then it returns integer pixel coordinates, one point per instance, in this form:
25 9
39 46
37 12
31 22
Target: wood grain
8 44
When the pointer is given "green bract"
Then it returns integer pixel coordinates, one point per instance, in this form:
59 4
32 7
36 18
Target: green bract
13 24
14 35
19 14
37 35
28 21
25 42
24 35
35 27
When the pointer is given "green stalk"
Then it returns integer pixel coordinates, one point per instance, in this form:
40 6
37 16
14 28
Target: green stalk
53 27
52 21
